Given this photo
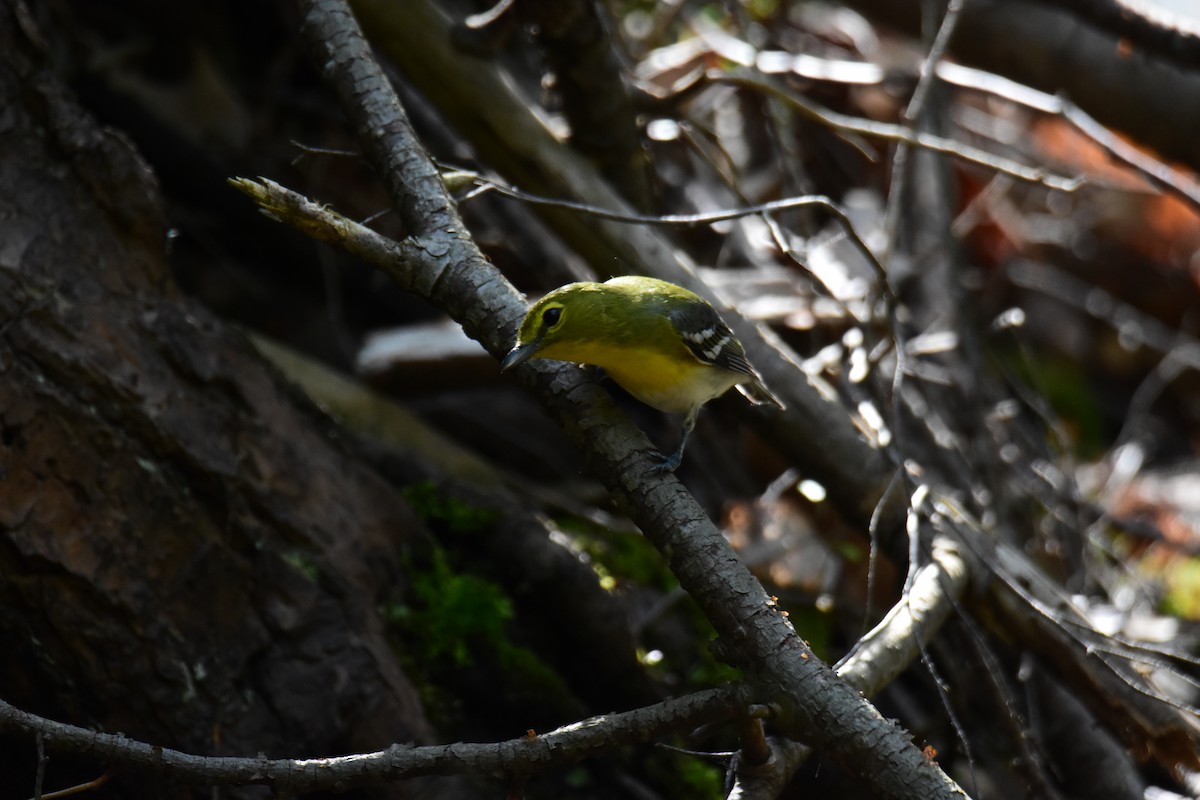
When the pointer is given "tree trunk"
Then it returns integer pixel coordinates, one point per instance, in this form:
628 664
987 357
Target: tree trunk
187 553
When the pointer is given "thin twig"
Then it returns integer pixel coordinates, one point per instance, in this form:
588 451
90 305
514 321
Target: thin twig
40 776
1032 762
916 105
940 686
912 117
78 788
704 218
873 535
312 150
898 133
1154 170
1153 725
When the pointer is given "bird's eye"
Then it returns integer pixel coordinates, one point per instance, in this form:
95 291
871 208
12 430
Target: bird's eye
550 316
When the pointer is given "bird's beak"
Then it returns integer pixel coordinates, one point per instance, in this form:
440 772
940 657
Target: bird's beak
519 355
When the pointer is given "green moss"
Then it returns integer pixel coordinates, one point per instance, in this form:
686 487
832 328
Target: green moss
619 555
683 775
433 505
449 612
710 672
302 564
454 633
700 778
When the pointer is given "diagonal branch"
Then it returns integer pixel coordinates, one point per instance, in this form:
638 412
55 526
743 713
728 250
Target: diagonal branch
814 704
751 633
815 434
886 651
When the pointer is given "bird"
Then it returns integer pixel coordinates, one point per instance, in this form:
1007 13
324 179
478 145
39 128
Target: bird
663 344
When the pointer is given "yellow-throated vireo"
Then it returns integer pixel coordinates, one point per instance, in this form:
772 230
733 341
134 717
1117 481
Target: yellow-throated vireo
666 346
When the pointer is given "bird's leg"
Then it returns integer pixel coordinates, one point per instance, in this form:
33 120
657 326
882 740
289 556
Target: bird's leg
671 463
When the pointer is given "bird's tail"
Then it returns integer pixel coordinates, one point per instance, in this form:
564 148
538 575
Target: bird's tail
757 393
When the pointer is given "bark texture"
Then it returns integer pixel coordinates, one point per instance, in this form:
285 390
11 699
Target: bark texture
180 533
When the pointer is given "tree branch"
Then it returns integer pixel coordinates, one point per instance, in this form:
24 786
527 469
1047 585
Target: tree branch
896 133
1147 27
814 704
1153 169
815 434
889 647
1151 98
892 645
876 659
527 755
882 655
596 101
